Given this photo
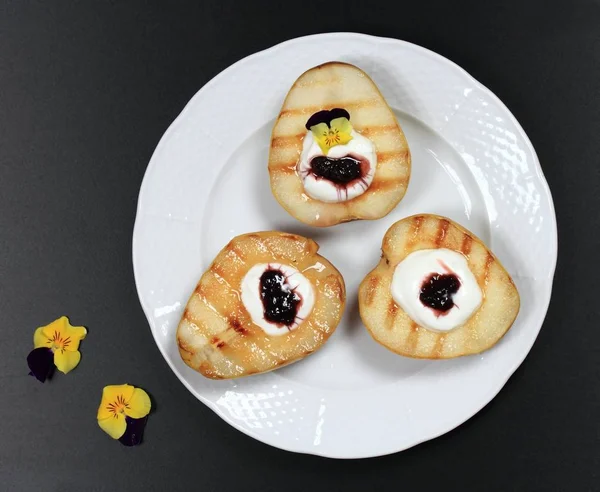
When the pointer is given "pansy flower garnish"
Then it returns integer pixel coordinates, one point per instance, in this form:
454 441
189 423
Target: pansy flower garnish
123 413
55 345
330 128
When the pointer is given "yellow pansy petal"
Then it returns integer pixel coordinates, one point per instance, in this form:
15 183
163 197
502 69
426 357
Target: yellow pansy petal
40 340
61 333
74 334
110 395
114 426
342 124
320 129
344 128
138 405
57 326
344 138
338 133
320 133
66 361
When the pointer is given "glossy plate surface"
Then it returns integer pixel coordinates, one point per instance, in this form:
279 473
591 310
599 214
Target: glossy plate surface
207 182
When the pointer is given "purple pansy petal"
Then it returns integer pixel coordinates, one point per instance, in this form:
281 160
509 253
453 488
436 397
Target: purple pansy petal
134 431
41 363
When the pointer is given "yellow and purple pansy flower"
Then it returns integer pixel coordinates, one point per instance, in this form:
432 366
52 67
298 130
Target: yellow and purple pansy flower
123 413
55 345
330 128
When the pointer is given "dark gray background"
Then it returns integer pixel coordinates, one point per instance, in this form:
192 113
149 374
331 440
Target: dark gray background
86 91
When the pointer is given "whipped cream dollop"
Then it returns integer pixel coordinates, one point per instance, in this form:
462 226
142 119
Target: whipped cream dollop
440 274
324 190
293 282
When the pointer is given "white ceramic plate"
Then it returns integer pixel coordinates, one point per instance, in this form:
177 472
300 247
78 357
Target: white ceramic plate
207 182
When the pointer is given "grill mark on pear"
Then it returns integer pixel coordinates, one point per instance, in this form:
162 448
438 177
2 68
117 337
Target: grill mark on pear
348 105
415 227
441 232
439 346
372 289
466 245
413 337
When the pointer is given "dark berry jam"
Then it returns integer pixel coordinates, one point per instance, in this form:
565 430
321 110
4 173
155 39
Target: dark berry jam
339 171
437 291
280 302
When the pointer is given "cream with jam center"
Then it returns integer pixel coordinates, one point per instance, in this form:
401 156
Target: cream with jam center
337 163
436 288
277 297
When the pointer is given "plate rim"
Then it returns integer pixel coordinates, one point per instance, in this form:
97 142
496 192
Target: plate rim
547 281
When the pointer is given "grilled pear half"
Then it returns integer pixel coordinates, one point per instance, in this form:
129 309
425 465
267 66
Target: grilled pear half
216 335
394 329
328 86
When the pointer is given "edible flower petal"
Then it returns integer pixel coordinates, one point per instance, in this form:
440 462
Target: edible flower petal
114 427
134 431
139 404
338 132
41 363
123 413
57 343
65 361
